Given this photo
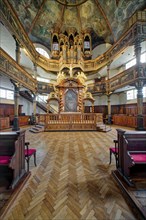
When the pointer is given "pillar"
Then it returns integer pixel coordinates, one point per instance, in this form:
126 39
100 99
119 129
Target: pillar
34 95
16 106
137 49
92 107
108 95
140 120
16 89
139 85
34 104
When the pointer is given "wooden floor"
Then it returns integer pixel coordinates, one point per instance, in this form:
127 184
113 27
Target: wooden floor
72 180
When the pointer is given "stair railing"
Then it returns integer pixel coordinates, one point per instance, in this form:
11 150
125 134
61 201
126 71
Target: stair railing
44 104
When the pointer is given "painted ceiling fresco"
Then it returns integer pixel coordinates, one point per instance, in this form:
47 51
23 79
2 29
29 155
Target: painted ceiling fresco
105 19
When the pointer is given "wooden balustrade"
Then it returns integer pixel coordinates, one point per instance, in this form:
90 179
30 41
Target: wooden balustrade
71 121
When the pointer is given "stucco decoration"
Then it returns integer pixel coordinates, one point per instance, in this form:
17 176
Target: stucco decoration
105 20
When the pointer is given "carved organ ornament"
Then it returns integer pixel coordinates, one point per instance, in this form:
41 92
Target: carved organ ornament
71 47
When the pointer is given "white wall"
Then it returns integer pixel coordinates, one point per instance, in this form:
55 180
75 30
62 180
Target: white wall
7 42
6 83
25 61
27 107
100 100
100 50
116 99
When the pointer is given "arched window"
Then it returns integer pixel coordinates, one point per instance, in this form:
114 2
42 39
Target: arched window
42 52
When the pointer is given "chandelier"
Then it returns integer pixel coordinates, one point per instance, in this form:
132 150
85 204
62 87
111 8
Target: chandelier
71 3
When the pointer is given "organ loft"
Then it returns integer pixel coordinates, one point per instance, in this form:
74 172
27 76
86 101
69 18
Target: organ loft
70 89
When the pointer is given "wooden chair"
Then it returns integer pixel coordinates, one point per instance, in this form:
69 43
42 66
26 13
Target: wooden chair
28 153
114 151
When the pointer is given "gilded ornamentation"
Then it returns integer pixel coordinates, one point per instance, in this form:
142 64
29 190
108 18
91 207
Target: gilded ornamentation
82 78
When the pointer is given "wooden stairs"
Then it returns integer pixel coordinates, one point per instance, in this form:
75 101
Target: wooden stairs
100 126
37 128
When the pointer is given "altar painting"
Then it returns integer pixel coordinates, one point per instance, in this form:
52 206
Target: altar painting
70 104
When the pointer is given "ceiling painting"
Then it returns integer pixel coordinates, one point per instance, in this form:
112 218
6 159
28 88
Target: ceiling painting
106 20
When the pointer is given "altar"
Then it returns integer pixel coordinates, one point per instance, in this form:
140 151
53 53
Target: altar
70 94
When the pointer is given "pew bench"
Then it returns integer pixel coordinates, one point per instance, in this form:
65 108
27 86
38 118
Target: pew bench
12 159
132 155
137 157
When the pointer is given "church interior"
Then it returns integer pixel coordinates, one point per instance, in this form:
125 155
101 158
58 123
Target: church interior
72 109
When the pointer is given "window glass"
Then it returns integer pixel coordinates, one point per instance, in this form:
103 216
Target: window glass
130 95
2 93
43 79
144 91
143 58
6 94
10 94
42 97
135 93
133 62
42 52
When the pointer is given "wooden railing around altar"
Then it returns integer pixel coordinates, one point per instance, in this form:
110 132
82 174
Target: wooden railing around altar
71 121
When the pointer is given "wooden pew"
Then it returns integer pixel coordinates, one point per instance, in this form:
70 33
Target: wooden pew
12 159
131 154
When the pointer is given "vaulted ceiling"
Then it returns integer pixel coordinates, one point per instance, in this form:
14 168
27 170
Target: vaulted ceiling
106 20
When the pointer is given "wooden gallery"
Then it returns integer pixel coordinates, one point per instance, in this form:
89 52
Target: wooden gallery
73 109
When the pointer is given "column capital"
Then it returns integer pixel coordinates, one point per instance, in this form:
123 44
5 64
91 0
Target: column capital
139 84
15 84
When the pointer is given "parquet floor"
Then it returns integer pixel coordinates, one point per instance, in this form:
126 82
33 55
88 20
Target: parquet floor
72 180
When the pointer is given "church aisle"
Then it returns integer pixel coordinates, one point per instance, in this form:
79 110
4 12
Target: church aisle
72 180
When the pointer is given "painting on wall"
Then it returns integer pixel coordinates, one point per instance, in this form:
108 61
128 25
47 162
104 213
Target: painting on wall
70 102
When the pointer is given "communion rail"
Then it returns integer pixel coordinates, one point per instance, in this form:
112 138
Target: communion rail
71 121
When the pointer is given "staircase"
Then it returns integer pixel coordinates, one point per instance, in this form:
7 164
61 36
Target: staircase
37 128
40 103
103 127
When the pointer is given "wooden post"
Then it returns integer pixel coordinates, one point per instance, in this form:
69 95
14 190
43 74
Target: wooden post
139 85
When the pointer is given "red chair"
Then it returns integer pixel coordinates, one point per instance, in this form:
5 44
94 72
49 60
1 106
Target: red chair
28 153
114 151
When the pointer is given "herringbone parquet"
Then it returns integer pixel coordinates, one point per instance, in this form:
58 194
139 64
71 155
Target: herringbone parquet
72 180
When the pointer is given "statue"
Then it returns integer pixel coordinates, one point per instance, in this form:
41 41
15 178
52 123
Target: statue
81 76
60 77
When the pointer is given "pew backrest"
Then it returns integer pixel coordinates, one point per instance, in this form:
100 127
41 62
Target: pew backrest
12 144
130 143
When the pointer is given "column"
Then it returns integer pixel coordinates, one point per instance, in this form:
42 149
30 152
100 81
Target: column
16 90
140 121
109 109
92 107
34 104
34 94
108 94
139 67
139 85
16 106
